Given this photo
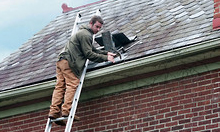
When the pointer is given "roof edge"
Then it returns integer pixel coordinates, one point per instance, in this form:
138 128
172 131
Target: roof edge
115 69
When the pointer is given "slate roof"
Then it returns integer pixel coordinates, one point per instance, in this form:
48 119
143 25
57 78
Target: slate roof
160 25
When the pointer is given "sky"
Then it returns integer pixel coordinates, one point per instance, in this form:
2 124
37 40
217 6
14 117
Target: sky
21 19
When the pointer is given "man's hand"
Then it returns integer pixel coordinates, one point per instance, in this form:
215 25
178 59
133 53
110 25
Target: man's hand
111 57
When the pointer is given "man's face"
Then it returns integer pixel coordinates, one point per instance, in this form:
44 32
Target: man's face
96 27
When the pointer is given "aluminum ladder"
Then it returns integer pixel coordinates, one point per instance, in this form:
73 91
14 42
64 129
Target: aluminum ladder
70 118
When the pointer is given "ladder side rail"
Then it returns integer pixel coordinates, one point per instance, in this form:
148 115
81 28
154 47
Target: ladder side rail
78 91
76 23
48 126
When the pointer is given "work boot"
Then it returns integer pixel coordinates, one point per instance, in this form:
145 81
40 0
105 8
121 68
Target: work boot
54 116
76 118
61 123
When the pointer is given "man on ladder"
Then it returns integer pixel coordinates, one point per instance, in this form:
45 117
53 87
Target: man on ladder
69 67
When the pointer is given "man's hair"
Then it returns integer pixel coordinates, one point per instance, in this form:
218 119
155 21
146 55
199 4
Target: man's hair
96 18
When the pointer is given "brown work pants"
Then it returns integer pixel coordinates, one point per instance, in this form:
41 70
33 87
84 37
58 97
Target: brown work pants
65 89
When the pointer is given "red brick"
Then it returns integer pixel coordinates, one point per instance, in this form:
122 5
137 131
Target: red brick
160 116
148 128
216 90
175 103
186 130
100 129
117 130
180 97
154 122
177 127
192 124
165 120
146 100
178 117
190 95
159 87
142 125
204 92
197 109
161 106
204 82
183 111
197 99
205 122
211 106
216 80
148 119
190 105
216 130
216 120
207 112
172 84
160 97
153 113
171 114
164 110
165 101
211 126
211 116
175 108
153 103
160 126
165 130
169 124
186 101
216 110
123 124
198 89
172 94
186 91
206 102
200 128
184 121
165 91
190 115
199 118
117 120
155 93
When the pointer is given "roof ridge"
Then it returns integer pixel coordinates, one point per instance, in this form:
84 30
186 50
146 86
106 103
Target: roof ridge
67 9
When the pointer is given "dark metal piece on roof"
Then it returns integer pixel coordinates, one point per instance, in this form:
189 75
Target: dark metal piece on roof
119 39
107 41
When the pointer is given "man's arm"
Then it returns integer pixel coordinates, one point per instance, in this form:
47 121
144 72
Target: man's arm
87 49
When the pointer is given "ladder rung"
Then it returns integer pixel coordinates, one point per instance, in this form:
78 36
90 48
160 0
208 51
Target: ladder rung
59 119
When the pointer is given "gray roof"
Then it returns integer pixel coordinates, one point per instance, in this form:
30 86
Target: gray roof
160 25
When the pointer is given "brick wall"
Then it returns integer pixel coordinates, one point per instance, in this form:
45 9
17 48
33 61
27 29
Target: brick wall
216 19
183 105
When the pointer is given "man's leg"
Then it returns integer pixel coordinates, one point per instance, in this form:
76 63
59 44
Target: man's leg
58 93
72 83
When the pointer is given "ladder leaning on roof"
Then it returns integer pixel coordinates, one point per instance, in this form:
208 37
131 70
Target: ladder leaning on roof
78 90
